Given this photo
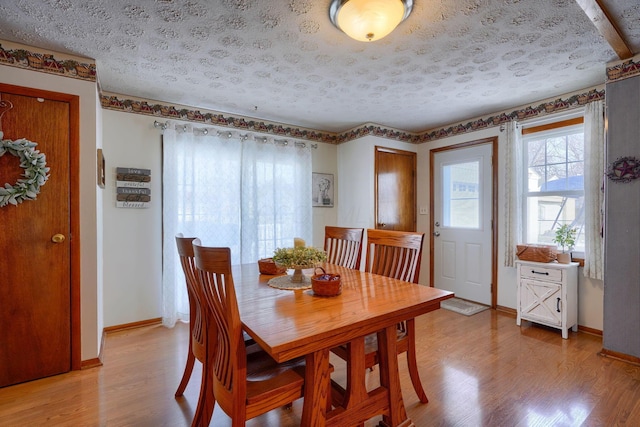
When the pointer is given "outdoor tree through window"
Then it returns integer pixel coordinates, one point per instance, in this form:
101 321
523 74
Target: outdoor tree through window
553 182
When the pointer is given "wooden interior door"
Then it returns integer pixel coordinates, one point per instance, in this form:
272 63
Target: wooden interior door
395 189
36 291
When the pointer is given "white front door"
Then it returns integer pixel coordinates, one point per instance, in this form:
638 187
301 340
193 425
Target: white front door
462 221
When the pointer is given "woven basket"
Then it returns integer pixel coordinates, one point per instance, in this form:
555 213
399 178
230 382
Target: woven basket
537 253
326 284
267 266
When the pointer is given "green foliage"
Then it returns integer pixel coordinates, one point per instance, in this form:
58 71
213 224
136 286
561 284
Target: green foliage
566 237
34 176
301 256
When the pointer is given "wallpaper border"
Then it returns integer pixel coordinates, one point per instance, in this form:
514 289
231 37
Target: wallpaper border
20 56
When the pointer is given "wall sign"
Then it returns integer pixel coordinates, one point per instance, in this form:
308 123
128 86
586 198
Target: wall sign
133 188
624 169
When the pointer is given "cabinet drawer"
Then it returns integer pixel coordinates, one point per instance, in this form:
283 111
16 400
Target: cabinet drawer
540 273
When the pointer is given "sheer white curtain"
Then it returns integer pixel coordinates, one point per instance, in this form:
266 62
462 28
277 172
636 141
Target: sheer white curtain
513 192
276 198
241 193
593 194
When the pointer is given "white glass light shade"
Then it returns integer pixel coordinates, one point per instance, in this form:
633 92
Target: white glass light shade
369 20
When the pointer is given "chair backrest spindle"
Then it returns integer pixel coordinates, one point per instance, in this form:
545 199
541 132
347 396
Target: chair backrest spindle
343 246
395 254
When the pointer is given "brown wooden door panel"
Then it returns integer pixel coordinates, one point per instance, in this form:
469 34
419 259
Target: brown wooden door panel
395 188
35 282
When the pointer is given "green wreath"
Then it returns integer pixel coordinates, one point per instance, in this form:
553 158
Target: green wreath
35 168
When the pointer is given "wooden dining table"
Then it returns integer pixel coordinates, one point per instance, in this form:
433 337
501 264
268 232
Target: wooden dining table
294 323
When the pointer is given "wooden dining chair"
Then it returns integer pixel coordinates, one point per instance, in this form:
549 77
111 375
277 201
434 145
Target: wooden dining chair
395 254
244 384
198 329
197 326
343 246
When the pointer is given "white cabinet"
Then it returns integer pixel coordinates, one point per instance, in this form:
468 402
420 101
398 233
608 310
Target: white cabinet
548 294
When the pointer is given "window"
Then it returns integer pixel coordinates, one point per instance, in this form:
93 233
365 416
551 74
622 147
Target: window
553 181
242 193
461 202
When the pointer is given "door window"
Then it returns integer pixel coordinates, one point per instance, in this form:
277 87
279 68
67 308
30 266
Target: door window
461 195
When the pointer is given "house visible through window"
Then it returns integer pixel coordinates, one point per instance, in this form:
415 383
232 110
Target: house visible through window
553 181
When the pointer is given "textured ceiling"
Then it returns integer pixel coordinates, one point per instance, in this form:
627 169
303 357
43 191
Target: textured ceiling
283 61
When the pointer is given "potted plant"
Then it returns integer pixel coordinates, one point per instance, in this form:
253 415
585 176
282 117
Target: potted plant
566 238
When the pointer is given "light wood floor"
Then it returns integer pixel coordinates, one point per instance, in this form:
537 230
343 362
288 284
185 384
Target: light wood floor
481 370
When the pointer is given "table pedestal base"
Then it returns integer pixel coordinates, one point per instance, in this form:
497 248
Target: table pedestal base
358 405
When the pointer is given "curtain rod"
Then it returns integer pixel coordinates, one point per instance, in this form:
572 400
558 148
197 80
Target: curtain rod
229 134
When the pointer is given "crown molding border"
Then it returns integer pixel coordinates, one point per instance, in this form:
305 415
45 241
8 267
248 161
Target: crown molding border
545 107
41 60
117 102
620 70
157 109
380 131
45 61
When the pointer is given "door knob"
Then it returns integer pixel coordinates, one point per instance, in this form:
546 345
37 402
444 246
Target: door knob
381 224
58 238
436 233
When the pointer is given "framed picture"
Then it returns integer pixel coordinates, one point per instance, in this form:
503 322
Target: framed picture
322 190
101 169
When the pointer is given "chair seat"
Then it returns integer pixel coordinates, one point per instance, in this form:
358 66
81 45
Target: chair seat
261 366
267 378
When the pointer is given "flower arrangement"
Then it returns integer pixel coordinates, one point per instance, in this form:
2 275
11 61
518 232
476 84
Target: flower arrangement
298 256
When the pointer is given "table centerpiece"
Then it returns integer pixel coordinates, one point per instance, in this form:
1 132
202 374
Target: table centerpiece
298 258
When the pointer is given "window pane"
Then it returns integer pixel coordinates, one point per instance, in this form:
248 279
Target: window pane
536 153
554 165
536 178
545 214
556 178
575 150
556 150
461 195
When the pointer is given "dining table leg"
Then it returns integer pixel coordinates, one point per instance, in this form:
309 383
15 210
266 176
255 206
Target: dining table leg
356 391
316 389
390 379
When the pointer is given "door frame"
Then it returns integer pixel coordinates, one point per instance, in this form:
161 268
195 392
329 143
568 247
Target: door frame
494 209
74 205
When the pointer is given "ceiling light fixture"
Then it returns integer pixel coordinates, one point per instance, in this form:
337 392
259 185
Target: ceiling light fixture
368 20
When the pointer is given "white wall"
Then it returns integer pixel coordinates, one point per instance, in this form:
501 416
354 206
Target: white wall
356 164
91 281
356 199
133 237
325 161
